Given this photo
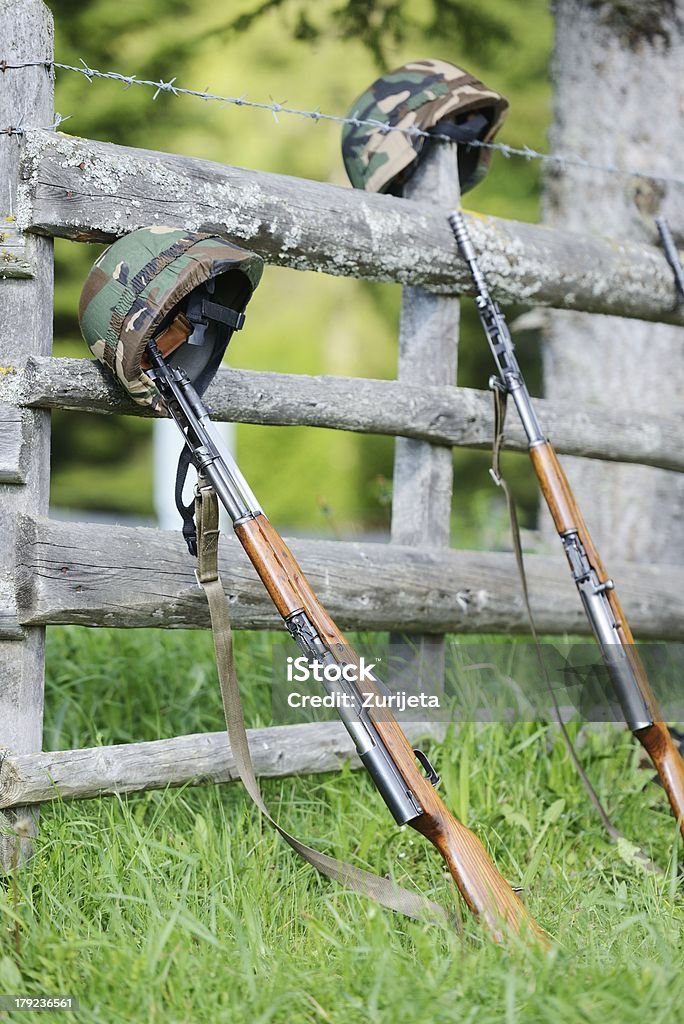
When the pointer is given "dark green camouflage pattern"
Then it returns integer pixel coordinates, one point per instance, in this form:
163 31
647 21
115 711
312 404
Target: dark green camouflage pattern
417 95
138 281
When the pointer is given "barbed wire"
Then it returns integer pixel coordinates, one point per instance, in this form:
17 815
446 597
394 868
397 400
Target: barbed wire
21 128
317 115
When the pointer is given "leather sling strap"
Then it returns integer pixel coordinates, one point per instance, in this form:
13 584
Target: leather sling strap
382 890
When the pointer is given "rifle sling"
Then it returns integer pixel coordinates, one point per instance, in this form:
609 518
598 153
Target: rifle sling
382 890
500 402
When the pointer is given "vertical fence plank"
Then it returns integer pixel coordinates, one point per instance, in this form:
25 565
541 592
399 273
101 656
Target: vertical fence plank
26 99
423 472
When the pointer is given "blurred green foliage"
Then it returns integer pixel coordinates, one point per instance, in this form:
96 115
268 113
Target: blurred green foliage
306 55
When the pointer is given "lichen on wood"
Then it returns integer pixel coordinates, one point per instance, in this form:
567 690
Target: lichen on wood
85 190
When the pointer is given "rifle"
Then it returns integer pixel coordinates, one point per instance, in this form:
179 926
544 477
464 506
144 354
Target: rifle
380 742
597 590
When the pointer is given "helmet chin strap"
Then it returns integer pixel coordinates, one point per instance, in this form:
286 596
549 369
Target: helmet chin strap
203 313
197 325
212 325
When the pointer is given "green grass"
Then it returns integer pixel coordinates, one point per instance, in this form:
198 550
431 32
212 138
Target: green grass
184 906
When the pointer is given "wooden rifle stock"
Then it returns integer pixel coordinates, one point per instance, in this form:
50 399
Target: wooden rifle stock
661 748
596 589
484 890
655 738
409 794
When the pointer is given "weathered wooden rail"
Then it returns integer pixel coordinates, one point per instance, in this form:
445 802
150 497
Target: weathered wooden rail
94 191
182 760
62 572
444 415
138 576
13 258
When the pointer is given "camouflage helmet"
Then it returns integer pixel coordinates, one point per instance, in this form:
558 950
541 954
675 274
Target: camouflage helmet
185 289
421 94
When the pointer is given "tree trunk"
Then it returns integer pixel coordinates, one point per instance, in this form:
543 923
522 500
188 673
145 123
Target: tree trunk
619 101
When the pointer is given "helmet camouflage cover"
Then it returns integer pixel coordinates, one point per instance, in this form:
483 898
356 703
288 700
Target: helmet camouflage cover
143 280
420 94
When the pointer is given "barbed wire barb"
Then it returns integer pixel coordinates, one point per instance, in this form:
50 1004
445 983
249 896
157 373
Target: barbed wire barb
21 128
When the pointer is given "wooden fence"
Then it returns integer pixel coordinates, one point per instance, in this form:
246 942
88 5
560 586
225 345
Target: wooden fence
66 572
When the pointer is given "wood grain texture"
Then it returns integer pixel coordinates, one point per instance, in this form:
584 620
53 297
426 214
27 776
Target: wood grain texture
567 516
10 627
195 759
422 478
286 583
555 488
484 890
13 451
26 267
273 563
85 190
183 760
130 577
658 743
26 319
443 415
14 260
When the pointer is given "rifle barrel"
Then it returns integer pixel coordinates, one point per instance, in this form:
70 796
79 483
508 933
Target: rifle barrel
596 589
381 743
671 253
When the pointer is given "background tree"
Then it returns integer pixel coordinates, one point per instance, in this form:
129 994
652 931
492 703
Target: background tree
614 66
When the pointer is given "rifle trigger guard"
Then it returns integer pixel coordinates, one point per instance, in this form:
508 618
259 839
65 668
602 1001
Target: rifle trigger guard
430 772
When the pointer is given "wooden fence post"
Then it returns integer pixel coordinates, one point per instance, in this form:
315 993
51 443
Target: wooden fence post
423 472
26 100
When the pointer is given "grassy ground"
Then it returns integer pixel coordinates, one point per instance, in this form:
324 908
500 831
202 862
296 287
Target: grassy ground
182 906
